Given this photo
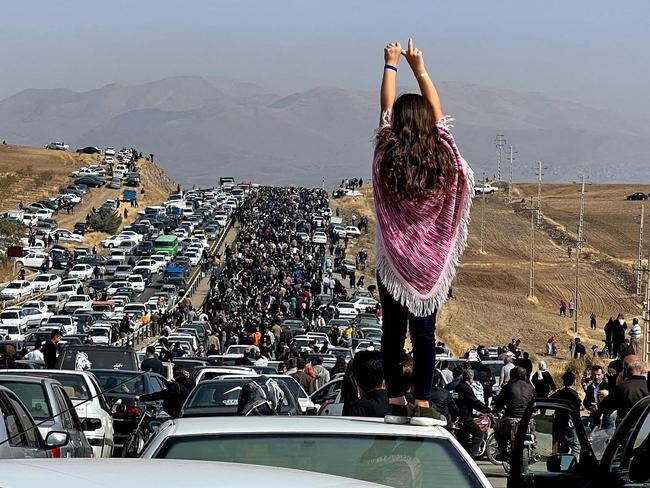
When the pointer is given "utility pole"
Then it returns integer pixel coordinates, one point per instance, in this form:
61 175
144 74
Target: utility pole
640 255
579 243
483 214
511 159
645 344
531 264
500 143
540 173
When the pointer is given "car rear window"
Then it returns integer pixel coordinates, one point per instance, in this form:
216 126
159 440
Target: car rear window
121 383
81 359
407 462
33 397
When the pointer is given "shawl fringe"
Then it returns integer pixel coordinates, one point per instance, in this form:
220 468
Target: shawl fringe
425 307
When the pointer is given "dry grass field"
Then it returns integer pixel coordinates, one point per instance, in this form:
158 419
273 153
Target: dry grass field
491 304
29 174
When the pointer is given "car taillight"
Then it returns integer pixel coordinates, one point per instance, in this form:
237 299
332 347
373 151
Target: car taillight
133 410
56 452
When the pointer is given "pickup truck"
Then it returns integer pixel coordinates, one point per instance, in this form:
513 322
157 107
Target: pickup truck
486 188
129 195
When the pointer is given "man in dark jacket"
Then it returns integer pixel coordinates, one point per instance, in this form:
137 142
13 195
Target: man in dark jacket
442 401
50 350
368 377
174 395
152 363
627 393
564 432
514 397
619 326
591 400
469 435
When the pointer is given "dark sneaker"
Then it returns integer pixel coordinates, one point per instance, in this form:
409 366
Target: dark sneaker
398 414
427 416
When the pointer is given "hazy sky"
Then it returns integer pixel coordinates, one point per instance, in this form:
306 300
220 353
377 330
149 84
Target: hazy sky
591 51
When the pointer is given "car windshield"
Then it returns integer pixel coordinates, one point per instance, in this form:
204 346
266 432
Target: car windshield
121 383
398 461
33 397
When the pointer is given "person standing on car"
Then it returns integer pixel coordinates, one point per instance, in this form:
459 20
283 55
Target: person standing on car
152 363
50 349
423 190
513 398
469 435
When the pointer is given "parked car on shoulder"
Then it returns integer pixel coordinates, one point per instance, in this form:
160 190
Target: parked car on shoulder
637 196
17 289
57 146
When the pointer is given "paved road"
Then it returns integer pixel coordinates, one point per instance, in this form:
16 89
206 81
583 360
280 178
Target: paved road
495 474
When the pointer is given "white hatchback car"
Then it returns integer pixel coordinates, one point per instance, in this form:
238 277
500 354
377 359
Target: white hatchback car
46 281
366 449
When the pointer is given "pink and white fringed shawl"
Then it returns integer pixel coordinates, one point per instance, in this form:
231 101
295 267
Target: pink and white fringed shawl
418 244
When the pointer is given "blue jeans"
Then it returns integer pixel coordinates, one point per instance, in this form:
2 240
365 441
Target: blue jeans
396 318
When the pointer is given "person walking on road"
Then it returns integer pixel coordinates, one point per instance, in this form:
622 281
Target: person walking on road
422 192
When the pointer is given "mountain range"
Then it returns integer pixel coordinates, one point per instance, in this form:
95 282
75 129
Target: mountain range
200 128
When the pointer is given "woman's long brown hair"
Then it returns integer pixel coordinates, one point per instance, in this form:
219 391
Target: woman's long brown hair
415 165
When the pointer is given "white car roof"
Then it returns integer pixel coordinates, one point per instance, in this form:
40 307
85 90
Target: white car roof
85 473
293 424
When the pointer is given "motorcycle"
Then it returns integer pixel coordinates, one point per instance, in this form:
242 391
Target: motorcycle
531 456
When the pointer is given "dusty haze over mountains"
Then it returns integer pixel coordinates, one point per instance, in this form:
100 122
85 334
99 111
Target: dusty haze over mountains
200 128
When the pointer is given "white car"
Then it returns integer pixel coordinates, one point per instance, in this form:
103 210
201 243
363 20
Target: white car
112 289
101 334
84 392
57 146
114 241
35 317
82 271
76 302
319 237
150 265
14 322
16 290
67 236
81 473
362 304
137 282
67 290
194 257
132 236
46 281
352 231
62 322
33 260
366 448
53 301
346 310
39 304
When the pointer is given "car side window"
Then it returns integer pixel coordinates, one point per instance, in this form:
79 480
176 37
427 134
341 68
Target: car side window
641 445
21 426
12 424
66 417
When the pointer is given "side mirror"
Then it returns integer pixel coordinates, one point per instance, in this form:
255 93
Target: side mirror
560 463
56 439
91 424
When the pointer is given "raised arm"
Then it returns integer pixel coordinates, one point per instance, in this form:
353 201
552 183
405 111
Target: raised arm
392 53
428 90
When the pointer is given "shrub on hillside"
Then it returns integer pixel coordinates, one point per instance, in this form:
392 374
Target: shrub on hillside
108 222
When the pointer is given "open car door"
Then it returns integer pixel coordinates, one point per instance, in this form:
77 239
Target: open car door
551 448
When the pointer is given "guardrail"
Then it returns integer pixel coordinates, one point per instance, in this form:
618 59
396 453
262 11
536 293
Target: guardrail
143 333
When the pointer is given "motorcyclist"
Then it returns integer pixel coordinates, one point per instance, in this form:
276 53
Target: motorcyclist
513 398
469 434
174 395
